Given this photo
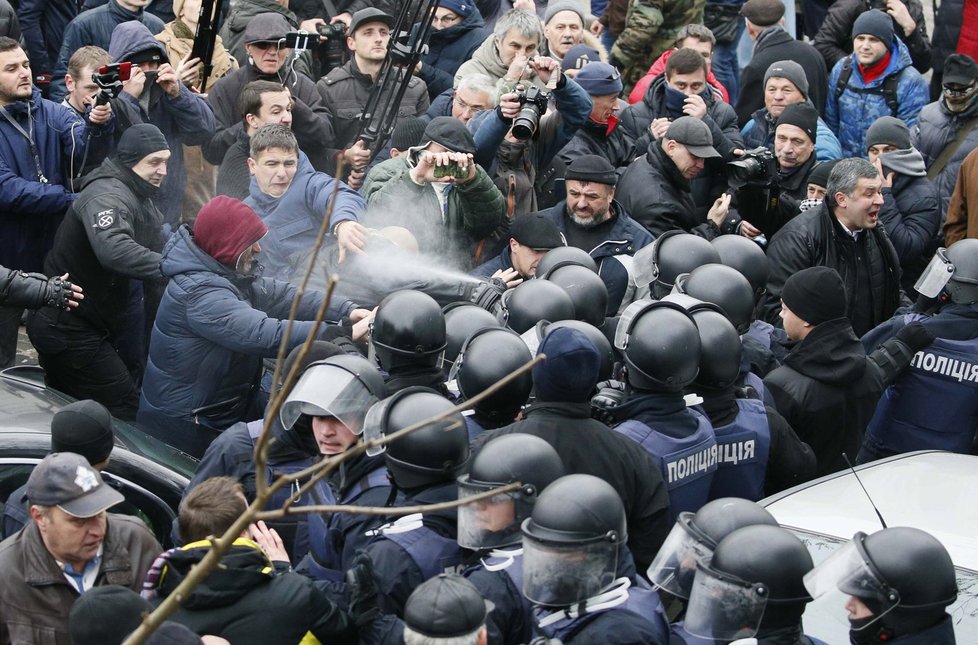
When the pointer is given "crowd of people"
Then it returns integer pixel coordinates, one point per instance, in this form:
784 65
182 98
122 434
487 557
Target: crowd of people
737 275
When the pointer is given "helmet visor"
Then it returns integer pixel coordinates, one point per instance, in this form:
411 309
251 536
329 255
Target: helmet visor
674 565
534 336
724 608
487 523
373 426
936 276
328 391
628 317
558 575
846 582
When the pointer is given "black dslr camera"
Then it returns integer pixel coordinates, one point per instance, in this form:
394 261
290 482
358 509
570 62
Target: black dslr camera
110 79
534 105
757 167
333 45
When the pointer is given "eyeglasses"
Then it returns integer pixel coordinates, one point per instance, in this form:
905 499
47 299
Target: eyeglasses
462 105
447 20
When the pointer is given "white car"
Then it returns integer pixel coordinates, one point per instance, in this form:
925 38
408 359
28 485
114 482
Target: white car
930 490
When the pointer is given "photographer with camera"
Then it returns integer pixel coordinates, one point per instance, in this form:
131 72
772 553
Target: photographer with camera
770 187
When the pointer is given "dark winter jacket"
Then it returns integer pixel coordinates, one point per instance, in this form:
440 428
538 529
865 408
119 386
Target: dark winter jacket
213 328
43 24
614 255
851 114
753 203
759 131
827 390
589 447
775 44
911 217
606 140
94 27
949 32
110 235
936 128
834 38
233 31
32 210
9 25
870 272
249 600
447 49
183 119
162 9
233 175
21 289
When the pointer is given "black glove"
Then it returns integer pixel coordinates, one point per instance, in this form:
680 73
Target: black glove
609 397
41 291
915 336
488 294
362 584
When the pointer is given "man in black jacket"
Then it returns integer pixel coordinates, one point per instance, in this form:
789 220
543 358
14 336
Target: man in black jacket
110 234
842 234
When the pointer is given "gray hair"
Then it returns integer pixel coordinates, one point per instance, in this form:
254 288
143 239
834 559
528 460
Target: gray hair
524 22
479 83
271 136
697 31
412 637
846 175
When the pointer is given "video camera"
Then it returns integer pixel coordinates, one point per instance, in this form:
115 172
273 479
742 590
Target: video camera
110 79
756 167
533 102
333 50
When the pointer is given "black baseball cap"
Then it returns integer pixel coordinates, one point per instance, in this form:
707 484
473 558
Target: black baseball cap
67 480
536 231
960 69
370 14
446 607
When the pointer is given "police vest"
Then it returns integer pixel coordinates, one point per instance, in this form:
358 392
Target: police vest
688 463
642 602
743 447
431 552
933 404
510 566
679 634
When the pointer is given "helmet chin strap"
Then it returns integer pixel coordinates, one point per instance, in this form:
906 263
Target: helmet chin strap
616 595
507 557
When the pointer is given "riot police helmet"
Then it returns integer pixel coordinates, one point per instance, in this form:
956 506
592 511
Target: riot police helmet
518 457
489 355
563 256
407 331
720 347
737 252
586 289
533 301
462 319
672 254
343 386
661 346
725 287
963 285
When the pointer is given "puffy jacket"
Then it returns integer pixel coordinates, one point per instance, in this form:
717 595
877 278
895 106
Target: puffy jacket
471 211
659 67
759 131
183 119
861 103
447 49
294 219
213 328
94 27
775 44
936 128
815 238
834 37
911 219
613 255
43 24
36 598
32 210
485 60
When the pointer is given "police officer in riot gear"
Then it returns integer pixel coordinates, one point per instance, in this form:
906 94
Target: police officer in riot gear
423 466
737 252
562 255
934 404
659 264
533 301
662 357
895 585
752 587
407 339
578 573
489 355
462 319
586 289
492 528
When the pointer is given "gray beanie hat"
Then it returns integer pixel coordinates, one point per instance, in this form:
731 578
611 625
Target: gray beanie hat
875 23
889 130
790 70
564 5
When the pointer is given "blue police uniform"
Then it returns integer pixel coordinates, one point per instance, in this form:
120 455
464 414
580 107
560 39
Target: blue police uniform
499 578
743 448
640 619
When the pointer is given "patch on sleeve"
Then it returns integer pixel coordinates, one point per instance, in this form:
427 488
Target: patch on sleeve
105 219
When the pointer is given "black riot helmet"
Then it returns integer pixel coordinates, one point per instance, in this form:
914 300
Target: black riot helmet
564 256
586 289
486 357
720 347
533 301
408 331
963 286
752 583
510 458
661 345
343 386
724 287
597 338
737 252
672 254
430 455
462 319
695 535
572 540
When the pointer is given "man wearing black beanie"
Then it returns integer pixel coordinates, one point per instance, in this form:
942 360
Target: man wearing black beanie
110 235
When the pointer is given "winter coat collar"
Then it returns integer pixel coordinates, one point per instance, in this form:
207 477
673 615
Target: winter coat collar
831 354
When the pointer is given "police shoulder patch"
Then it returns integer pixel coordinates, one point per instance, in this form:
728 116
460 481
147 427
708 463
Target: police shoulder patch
105 219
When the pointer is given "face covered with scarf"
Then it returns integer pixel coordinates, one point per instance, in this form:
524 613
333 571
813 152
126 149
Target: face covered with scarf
959 98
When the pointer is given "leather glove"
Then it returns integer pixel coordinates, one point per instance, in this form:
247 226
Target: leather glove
488 294
603 404
362 584
46 292
915 336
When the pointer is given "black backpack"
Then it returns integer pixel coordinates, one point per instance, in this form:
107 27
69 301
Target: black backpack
888 89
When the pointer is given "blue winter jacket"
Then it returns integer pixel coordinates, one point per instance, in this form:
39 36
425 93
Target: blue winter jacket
43 23
184 119
212 330
851 114
759 131
294 219
447 49
94 27
31 210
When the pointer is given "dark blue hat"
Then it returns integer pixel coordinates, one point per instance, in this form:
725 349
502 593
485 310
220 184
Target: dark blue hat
599 79
571 369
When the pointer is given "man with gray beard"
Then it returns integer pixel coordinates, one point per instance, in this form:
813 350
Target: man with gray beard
591 219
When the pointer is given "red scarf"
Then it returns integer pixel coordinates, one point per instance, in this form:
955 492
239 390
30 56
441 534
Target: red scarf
876 70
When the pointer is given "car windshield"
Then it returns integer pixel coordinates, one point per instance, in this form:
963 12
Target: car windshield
817 623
